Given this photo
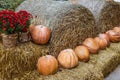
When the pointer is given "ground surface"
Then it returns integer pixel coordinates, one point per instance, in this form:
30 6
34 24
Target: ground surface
115 75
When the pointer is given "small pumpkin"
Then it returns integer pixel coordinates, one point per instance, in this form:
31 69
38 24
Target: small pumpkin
91 44
67 58
82 53
40 34
113 36
104 36
101 42
47 65
116 29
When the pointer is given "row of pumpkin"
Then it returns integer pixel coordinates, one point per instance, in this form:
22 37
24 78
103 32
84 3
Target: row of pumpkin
68 58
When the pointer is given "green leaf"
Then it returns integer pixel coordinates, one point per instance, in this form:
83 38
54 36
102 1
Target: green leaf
1 9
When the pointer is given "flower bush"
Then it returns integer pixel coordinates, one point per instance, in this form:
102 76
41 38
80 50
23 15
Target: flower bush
13 22
8 21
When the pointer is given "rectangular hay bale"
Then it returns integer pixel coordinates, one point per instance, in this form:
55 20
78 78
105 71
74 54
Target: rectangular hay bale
15 61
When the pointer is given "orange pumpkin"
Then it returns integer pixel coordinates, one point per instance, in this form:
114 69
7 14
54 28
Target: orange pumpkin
91 44
67 58
101 42
113 36
82 53
47 65
40 34
105 37
116 29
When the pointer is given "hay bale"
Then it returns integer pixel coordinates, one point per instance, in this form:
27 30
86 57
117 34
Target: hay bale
99 66
16 61
70 24
106 13
82 72
115 47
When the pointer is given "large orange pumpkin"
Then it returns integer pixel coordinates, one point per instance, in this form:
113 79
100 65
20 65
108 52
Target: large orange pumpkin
40 34
67 58
47 65
82 53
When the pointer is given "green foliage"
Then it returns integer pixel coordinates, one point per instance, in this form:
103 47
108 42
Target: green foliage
9 4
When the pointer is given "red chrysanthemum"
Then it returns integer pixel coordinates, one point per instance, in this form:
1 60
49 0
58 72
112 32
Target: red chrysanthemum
11 22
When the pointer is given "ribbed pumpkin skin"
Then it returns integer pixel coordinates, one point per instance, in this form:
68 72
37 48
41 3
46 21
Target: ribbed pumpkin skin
67 58
104 36
40 34
91 44
102 42
47 65
113 36
82 53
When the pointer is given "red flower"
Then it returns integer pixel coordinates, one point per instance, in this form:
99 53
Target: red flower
4 29
11 22
12 26
24 19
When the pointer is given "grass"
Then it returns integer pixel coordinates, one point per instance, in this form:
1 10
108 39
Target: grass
9 4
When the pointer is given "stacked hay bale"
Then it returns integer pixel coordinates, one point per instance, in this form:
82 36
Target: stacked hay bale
70 24
96 69
16 61
106 13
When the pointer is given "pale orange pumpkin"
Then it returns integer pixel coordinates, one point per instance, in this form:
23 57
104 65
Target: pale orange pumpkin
116 29
47 65
102 42
113 36
104 36
91 44
82 53
40 34
67 58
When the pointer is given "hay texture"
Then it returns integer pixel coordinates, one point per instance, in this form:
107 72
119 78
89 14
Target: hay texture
15 61
106 60
82 72
106 13
70 24
99 66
